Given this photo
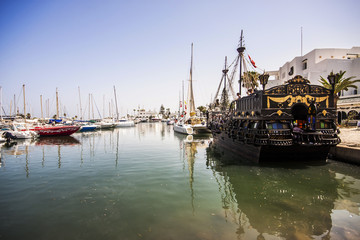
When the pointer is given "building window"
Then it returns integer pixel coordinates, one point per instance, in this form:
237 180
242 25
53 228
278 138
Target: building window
304 64
355 91
291 72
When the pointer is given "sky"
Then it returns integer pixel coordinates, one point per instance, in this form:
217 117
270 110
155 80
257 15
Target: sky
143 47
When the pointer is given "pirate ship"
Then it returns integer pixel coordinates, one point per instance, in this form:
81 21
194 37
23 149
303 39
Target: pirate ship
293 121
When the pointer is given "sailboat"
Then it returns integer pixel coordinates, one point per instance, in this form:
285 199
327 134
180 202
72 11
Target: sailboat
190 120
121 122
56 130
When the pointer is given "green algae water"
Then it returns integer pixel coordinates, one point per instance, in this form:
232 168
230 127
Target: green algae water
148 182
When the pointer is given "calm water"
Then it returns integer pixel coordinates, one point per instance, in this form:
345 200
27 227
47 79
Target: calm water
148 183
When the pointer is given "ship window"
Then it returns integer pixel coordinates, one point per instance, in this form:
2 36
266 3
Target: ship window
276 125
324 125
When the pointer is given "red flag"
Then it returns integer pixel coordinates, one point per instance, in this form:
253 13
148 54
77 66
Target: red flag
252 61
180 104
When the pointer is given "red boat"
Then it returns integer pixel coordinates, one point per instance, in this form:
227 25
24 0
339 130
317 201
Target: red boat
56 130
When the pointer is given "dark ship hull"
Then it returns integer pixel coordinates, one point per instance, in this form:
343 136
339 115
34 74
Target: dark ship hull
290 122
256 153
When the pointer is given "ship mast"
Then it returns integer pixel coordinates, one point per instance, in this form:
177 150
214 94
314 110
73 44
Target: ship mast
191 91
57 104
1 104
80 104
24 102
224 95
117 111
42 116
240 50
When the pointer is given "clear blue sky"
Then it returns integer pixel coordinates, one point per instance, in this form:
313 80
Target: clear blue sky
143 47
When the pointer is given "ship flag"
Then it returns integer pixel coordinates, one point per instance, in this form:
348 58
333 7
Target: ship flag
252 61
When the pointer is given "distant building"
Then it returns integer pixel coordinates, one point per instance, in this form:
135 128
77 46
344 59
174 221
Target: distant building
320 62
145 115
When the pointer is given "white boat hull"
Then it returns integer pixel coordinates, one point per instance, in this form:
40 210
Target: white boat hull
183 128
125 124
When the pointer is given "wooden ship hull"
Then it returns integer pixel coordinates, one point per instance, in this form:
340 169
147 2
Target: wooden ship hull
290 122
264 153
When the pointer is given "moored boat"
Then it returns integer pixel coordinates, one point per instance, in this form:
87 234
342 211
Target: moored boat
88 127
125 123
292 121
189 119
64 130
183 128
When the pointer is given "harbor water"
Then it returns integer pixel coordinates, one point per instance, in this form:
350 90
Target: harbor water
147 182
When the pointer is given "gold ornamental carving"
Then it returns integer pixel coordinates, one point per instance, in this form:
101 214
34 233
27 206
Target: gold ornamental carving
297 99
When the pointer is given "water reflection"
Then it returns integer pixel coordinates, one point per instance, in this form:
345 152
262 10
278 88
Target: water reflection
293 203
190 145
63 140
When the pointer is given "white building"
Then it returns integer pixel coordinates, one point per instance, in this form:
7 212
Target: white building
319 63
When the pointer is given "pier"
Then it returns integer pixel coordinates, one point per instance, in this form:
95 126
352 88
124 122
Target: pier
349 148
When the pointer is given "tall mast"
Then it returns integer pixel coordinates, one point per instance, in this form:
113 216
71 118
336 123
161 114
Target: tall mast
183 97
92 106
57 103
117 111
240 50
225 72
89 106
80 105
15 112
1 103
190 91
41 107
10 108
24 102
179 102
104 106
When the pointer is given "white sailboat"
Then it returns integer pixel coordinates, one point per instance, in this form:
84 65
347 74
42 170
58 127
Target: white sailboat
190 120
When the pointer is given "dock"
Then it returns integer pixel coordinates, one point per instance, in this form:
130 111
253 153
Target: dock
349 149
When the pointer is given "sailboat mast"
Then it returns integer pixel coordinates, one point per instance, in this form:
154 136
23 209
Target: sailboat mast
117 111
240 50
89 106
15 112
24 102
92 106
57 103
1 104
41 107
183 97
179 103
80 105
191 92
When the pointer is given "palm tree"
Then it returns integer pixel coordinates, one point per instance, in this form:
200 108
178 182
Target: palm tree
341 83
250 80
